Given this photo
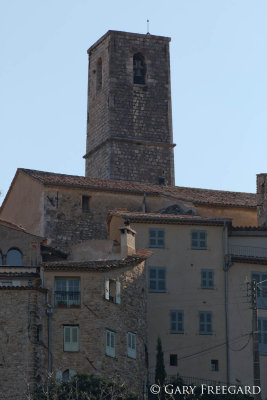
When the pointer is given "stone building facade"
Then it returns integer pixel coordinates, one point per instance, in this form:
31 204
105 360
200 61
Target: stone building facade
129 122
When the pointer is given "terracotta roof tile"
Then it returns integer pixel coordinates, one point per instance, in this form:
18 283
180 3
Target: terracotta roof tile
100 265
166 218
195 195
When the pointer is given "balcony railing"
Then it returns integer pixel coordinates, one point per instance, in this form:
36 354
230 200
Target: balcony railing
67 299
248 251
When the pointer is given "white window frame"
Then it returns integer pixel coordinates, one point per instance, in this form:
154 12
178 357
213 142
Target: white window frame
131 345
71 338
117 298
110 343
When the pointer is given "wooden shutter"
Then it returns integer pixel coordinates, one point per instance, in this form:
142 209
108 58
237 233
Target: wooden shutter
118 292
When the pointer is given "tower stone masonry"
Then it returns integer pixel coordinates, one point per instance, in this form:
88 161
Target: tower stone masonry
129 122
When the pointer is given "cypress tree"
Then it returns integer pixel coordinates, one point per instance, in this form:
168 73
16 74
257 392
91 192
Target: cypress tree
160 373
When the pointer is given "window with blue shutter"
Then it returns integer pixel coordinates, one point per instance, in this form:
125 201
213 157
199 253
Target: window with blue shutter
156 237
157 279
198 240
261 288
205 323
207 279
262 327
71 338
110 343
177 321
131 345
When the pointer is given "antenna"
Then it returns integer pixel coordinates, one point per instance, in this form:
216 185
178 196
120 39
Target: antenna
147 24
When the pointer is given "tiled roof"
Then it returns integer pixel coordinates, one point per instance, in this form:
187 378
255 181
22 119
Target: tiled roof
249 260
197 196
166 218
100 265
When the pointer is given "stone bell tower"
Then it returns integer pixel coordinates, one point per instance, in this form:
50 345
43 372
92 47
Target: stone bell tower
129 122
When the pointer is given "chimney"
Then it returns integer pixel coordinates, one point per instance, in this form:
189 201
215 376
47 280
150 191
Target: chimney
262 199
127 240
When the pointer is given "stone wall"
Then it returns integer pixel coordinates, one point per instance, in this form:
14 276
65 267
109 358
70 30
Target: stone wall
66 224
29 245
95 316
23 359
123 110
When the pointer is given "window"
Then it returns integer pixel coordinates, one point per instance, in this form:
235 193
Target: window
1 258
14 258
131 344
205 323
71 338
214 365
207 279
85 204
177 321
110 343
156 237
139 69
262 288
67 293
173 360
113 290
262 326
99 74
67 375
198 240
157 279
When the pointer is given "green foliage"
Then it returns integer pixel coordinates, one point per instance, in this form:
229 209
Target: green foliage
83 387
160 373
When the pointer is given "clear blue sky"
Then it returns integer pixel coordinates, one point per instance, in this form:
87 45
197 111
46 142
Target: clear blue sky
218 76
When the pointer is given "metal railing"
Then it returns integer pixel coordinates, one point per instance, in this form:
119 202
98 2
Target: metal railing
67 299
248 251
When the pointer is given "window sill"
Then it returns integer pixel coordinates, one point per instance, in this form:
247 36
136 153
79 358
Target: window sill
205 334
177 333
157 291
198 248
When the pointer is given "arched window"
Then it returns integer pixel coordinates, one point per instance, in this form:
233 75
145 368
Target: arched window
14 258
99 74
1 258
67 375
139 69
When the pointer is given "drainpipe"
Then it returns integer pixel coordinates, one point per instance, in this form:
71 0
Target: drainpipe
49 312
225 268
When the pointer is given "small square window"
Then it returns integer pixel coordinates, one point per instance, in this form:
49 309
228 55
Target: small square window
207 279
157 279
177 321
214 365
110 343
173 360
156 237
205 323
198 240
85 204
